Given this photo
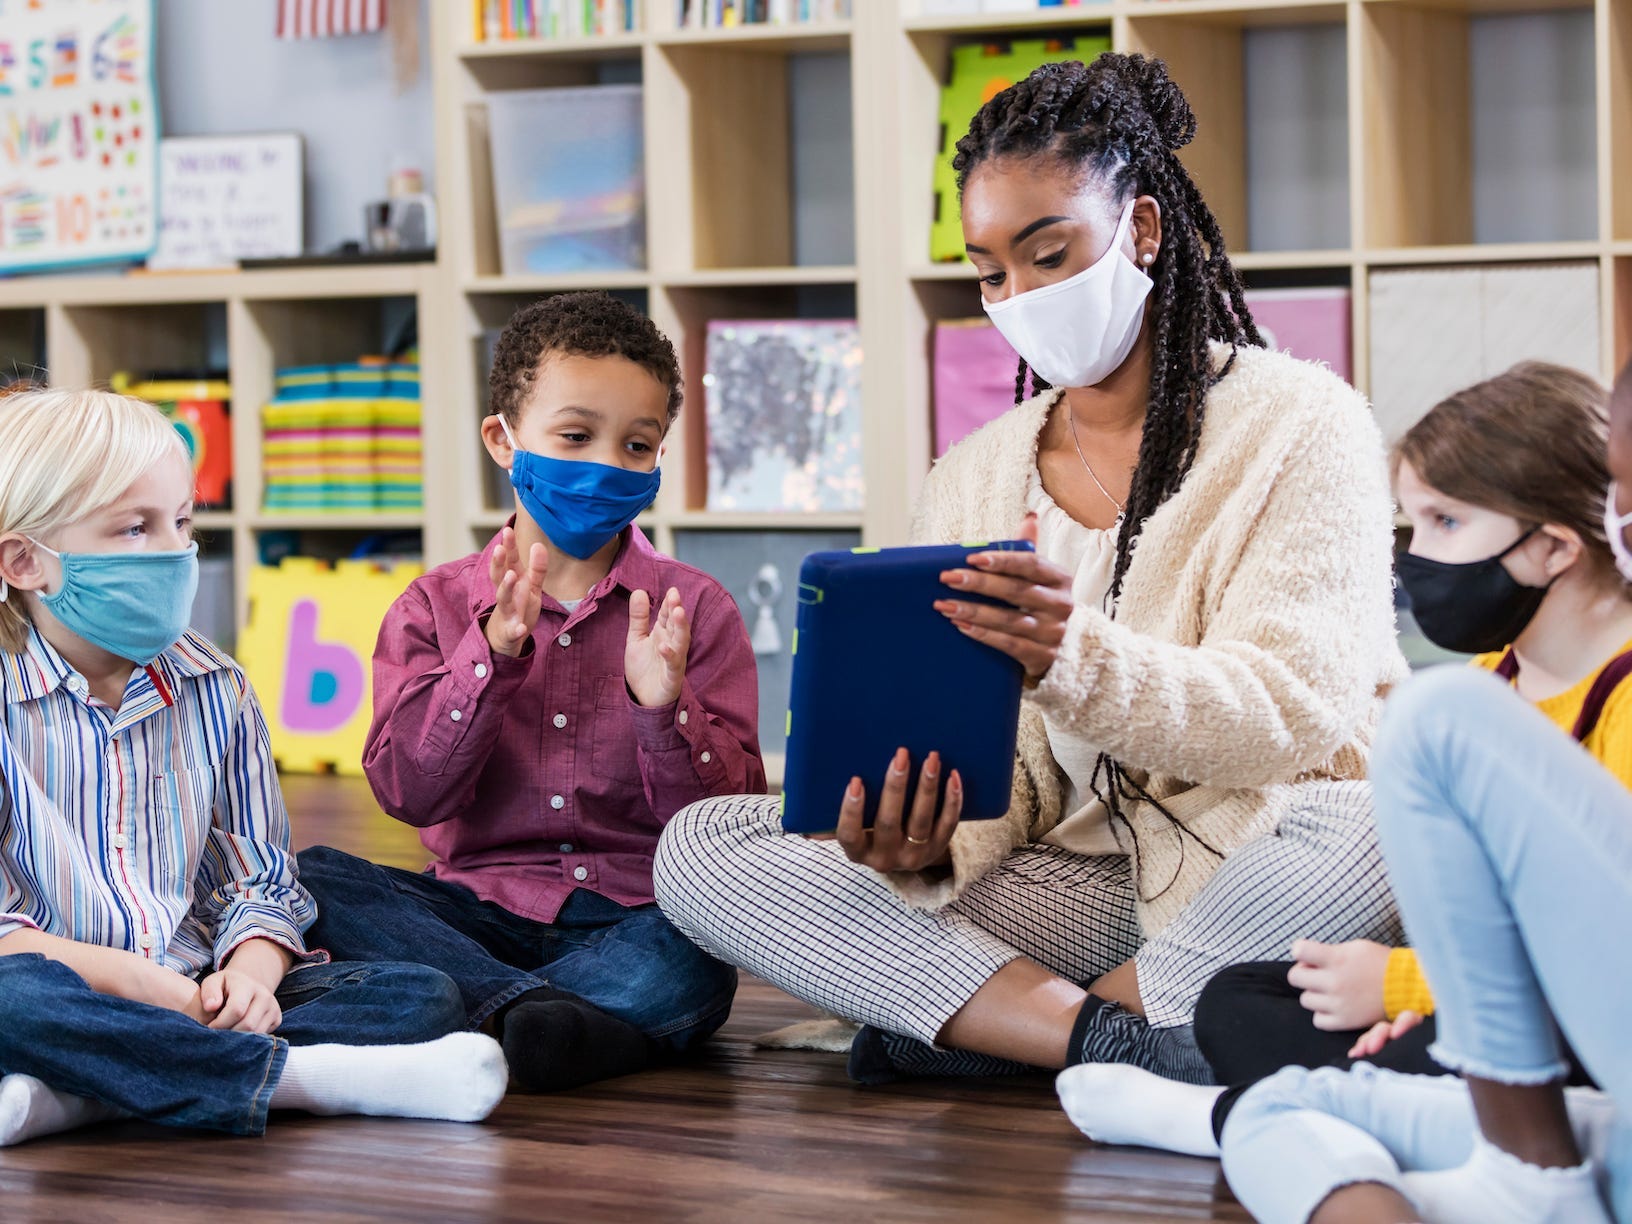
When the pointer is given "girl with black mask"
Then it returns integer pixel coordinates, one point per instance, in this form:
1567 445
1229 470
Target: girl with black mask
1505 485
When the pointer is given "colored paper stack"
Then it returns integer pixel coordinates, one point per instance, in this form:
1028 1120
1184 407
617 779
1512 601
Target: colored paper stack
344 439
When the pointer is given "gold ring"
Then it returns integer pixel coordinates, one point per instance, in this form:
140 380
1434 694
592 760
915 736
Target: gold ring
917 841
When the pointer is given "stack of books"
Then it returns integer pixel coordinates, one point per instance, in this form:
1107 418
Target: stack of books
719 14
508 20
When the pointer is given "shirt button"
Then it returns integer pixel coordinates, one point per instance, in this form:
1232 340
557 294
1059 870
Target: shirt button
685 717
560 720
565 639
456 715
120 841
706 758
76 683
481 670
146 941
557 802
566 847
580 873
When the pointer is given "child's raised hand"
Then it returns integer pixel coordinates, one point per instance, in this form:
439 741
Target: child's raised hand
654 661
1341 983
518 594
239 1001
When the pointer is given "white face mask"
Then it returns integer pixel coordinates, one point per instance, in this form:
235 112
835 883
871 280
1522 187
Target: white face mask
1076 332
1615 526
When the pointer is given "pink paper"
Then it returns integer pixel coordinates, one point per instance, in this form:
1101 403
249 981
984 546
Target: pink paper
1313 324
974 372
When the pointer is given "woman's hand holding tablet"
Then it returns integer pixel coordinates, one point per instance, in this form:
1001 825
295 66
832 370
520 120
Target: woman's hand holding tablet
913 841
880 674
1030 623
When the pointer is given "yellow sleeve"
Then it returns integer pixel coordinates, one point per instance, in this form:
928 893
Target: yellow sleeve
1611 739
1404 987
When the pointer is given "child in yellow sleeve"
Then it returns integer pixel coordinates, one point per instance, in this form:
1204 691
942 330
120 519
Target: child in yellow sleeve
1598 712
1505 486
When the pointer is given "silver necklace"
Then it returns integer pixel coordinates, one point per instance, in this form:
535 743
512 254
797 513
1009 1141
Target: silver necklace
1071 419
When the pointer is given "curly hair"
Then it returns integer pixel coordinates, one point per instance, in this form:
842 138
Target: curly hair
592 324
1119 120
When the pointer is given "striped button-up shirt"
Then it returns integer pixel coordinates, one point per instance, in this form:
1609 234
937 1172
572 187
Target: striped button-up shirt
157 828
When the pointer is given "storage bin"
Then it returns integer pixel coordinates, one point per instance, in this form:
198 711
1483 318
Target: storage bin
568 181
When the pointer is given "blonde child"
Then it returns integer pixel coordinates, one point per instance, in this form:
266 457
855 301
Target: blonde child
151 953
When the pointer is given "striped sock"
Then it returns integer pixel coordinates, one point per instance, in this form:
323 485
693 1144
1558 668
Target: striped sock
1107 1032
878 1057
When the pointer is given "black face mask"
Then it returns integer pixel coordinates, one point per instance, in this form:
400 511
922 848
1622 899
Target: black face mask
1471 608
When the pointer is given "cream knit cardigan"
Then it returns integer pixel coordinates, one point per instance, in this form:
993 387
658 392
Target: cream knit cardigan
1254 640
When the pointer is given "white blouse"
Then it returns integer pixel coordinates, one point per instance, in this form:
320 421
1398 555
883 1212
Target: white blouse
1089 556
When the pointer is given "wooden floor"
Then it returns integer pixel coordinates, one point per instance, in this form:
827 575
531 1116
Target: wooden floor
738 1135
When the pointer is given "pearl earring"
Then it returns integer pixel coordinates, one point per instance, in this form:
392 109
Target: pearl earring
1147 259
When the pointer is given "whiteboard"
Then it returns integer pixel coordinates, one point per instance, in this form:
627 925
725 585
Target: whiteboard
226 198
78 132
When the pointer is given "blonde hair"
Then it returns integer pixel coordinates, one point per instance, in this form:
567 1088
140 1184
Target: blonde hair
65 455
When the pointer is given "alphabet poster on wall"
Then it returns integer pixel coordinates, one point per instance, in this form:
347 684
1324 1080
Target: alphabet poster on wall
78 132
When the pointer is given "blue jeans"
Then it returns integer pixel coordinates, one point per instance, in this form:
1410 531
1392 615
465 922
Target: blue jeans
166 1067
1510 849
630 962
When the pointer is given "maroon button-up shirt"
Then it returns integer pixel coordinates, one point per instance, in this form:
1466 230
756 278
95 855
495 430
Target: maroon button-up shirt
532 776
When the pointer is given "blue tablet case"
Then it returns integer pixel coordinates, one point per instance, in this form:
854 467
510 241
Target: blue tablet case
876 667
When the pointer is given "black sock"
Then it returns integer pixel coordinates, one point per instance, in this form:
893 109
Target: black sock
878 1057
554 1040
1106 1032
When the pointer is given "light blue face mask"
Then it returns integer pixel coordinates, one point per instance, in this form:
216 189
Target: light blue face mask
134 605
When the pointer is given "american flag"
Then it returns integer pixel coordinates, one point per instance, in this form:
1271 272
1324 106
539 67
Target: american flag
322 18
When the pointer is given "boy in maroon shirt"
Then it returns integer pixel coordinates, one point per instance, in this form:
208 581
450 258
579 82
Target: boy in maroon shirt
541 710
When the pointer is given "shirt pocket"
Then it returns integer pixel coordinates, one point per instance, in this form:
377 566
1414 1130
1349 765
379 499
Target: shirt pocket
614 757
181 810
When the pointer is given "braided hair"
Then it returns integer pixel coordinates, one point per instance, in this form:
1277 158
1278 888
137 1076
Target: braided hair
1119 120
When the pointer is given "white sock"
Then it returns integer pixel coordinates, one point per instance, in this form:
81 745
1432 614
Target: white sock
1497 1188
1115 1103
29 1109
460 1078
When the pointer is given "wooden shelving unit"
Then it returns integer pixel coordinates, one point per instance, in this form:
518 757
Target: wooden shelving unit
91 327
720 239
721 222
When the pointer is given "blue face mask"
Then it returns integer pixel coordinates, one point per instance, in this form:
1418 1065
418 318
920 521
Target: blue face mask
134 605
579 505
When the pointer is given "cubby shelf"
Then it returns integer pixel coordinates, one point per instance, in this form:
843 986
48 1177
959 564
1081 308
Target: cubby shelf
1338 139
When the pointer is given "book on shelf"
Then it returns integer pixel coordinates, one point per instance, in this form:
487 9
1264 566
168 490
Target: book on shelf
510 20
782 407
724 14
963 8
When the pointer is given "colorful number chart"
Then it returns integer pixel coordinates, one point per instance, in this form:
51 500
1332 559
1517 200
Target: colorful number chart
78 132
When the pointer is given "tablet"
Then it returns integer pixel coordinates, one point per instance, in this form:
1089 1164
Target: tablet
876 667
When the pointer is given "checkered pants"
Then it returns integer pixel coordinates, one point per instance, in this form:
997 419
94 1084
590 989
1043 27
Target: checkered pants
800 915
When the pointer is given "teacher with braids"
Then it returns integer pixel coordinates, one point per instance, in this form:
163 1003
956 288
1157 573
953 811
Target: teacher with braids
1207 629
